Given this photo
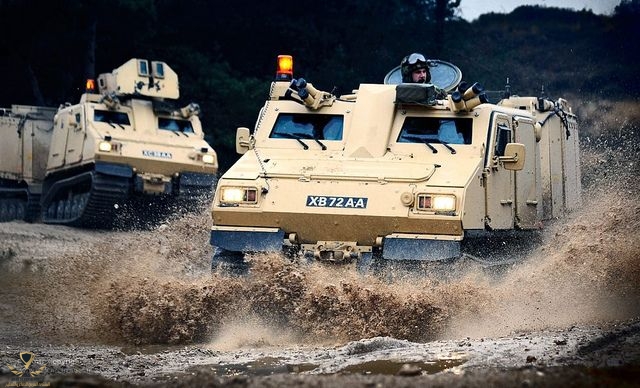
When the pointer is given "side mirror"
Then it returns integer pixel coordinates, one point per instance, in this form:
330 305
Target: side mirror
514 156
243 140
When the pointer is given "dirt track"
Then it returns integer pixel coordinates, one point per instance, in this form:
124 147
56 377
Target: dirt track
142 308
121 308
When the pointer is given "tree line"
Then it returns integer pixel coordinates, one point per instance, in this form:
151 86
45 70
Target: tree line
225 52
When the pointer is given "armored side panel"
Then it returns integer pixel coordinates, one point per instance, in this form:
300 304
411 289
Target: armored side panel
571 161
26 135
558 142
551 163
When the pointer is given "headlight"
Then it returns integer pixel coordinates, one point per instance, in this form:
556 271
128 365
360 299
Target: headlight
436 202
238 195
444 202
207 158
104 146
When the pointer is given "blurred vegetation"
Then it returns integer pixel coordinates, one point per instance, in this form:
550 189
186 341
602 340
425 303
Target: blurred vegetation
225 52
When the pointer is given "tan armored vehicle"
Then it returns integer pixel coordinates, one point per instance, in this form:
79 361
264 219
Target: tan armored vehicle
121 156
392 172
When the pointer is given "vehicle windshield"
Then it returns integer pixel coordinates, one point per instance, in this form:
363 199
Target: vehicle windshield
111 117
436 130
308 126
175 125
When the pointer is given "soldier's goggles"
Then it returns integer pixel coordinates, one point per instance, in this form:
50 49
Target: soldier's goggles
415 58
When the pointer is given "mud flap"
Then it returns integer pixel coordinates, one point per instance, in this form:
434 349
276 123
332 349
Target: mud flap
194 179
398 248
247 240
366 263
120 170
230 244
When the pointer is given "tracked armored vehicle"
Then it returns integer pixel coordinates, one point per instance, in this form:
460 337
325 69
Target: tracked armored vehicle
393 172
125 155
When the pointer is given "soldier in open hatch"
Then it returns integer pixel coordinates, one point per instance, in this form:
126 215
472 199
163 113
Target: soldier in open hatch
415 69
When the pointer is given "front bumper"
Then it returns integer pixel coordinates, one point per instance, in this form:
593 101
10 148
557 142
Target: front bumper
394 246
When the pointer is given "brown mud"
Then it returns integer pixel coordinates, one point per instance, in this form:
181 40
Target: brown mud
141 307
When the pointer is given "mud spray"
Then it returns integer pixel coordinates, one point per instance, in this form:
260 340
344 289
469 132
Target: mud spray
155 287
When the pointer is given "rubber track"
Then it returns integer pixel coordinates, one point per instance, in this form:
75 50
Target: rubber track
10 197
106 193
100 210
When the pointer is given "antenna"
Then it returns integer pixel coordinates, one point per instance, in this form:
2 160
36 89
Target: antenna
507 90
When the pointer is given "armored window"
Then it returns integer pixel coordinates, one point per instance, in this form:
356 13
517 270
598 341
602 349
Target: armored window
175 125
111 117
436 130
158 69
308 126
503 137
143 68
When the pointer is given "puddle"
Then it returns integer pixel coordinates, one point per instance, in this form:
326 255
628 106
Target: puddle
261 367
389 367
150 349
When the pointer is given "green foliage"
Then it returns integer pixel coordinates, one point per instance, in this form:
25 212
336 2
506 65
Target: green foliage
224 52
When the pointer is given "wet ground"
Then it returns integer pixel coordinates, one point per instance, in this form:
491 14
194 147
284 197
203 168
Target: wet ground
120 308
142 308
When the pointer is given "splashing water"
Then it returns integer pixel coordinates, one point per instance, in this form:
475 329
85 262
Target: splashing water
154 287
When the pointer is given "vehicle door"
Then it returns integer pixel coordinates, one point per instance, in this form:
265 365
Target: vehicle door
75 134
527 180
499 182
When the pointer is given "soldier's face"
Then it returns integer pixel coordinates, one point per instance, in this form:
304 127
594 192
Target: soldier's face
419 76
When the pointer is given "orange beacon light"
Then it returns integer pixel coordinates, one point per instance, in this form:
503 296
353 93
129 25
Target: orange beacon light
285 68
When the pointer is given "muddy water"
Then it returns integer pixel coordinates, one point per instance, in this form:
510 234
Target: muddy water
144 289
154 287
585 273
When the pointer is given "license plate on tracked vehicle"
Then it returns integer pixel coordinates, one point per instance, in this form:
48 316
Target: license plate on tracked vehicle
157 154
341 202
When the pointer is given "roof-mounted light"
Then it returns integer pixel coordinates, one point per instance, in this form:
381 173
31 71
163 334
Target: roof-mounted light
285 68
90 86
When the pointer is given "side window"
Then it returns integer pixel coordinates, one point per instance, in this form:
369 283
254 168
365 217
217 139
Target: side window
308 126
175 125
503 137
111 117
436 130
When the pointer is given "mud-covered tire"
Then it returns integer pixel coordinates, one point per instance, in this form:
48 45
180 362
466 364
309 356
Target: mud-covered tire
229 263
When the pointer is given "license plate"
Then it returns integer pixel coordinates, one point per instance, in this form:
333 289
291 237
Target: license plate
157 154
345 202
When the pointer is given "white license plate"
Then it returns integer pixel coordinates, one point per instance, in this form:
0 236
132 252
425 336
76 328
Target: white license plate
345 202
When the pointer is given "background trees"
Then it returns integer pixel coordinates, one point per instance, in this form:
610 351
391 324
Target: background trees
224 52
